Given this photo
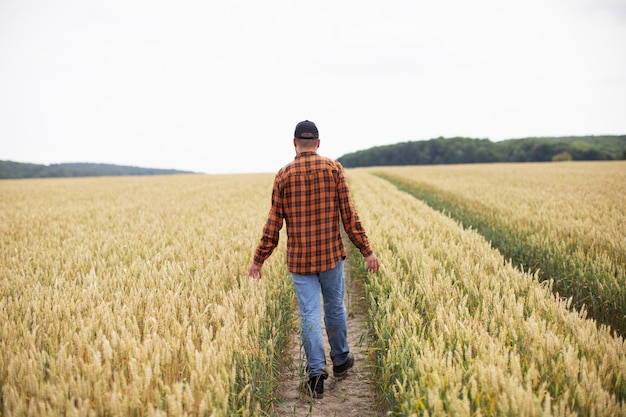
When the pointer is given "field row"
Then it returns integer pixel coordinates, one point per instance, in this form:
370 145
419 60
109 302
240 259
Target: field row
564 220
455 330
129 296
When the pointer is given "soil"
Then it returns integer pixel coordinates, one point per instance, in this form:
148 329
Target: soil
353 396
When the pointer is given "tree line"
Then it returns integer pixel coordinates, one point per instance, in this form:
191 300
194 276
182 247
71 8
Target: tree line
467 150
15 170
426 152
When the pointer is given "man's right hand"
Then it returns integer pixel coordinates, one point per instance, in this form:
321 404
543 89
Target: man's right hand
255 271
372 263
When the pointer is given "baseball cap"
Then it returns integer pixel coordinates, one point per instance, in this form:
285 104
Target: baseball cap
306 130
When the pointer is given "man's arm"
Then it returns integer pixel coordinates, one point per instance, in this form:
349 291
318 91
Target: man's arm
271 234
352 223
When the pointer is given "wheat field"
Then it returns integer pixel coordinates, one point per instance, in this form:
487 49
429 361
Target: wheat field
564 220
458 331
130 296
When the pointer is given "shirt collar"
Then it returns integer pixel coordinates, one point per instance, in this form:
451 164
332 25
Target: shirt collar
305 153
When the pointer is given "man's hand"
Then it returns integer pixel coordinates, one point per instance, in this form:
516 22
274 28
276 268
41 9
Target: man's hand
372 263
255 271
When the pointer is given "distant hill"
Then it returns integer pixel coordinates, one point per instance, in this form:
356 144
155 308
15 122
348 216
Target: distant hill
15 170
467 150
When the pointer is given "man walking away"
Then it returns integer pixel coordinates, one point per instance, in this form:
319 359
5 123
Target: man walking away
311 195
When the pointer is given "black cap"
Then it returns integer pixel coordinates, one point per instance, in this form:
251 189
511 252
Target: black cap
306 130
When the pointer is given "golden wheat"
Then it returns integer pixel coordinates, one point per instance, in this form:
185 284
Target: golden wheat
581 200
457 331
565 219
130 296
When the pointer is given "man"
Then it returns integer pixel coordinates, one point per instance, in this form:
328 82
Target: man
311 195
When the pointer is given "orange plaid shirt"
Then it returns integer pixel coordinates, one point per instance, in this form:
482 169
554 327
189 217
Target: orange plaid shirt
311 194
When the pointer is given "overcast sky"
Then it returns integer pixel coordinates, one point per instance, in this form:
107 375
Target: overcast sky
218 86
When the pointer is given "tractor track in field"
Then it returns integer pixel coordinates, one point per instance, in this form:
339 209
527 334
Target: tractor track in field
353 396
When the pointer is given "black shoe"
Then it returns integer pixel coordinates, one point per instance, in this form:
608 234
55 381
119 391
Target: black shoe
315 386
341 371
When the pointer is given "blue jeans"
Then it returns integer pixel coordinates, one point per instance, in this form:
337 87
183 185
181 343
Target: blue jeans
330 284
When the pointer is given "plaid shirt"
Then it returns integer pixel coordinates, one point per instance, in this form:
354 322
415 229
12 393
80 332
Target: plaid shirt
310 194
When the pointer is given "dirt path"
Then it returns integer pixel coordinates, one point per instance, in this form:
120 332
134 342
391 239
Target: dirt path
355 395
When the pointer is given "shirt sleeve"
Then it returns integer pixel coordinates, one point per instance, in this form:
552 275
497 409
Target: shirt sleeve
271 230
349 216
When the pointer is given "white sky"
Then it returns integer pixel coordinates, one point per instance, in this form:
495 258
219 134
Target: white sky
218 86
